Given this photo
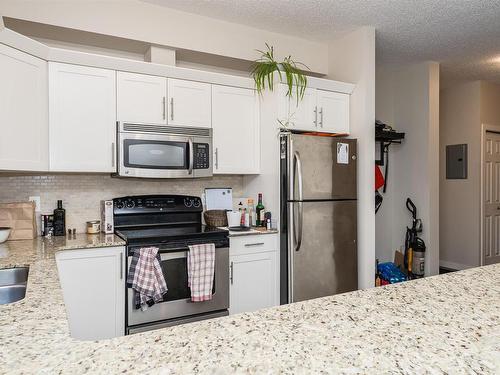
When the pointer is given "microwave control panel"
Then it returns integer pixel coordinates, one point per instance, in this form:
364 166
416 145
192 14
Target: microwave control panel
201 152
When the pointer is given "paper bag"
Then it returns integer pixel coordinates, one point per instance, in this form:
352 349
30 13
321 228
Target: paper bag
21 218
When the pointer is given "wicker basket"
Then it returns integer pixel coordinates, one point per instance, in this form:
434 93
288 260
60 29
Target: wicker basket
215 218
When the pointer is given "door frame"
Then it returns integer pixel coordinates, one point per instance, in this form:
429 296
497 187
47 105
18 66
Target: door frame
494 129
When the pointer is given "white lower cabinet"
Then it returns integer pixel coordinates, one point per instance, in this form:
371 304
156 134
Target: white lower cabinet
254 273
93 285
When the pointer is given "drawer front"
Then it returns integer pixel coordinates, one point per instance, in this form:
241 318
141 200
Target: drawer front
253 244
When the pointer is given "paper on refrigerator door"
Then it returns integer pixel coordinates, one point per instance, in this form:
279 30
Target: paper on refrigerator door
342 153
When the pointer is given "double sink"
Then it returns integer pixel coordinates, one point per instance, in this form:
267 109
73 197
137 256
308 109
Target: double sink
13 284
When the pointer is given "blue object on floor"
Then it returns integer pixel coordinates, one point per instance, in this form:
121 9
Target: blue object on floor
390 272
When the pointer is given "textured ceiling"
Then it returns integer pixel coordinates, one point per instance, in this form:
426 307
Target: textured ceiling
463 35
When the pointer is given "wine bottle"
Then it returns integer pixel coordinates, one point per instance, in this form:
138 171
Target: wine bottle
59 220
260 210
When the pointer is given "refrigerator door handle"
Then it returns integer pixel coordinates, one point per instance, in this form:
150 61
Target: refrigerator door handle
298 175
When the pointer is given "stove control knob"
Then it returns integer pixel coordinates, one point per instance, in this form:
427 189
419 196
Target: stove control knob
197 203
188 202
119 205
130 204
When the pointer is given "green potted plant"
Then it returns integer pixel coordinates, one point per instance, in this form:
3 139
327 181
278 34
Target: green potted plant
288 70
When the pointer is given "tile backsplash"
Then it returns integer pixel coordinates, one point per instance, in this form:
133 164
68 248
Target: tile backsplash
82 193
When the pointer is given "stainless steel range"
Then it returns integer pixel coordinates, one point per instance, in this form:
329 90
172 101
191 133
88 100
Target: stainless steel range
171 223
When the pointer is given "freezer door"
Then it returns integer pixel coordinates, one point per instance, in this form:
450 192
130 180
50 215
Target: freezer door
325 263
328 167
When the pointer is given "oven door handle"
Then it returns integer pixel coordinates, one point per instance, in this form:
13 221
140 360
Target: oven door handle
191 155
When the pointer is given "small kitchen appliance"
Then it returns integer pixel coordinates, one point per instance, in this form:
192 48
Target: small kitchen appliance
171 223
154 151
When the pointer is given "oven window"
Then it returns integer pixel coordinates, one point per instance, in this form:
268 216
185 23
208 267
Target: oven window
155 154
175 273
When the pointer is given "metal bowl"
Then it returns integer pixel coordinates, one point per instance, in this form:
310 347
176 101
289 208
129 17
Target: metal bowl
4 233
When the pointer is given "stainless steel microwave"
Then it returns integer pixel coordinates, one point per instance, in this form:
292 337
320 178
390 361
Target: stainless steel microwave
160 151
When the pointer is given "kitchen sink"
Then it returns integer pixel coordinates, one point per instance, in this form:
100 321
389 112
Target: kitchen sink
12 293
13 284
13 276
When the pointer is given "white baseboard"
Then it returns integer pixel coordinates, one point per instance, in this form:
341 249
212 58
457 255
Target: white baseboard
453 265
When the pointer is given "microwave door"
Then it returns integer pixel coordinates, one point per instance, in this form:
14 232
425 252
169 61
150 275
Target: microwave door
155 156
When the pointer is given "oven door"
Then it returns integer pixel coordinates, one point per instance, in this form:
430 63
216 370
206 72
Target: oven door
155 155
177 302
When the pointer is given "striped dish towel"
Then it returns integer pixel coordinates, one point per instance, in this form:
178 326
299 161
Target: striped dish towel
145 277
201 269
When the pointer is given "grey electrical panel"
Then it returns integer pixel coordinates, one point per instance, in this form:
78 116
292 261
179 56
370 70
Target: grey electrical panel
456 162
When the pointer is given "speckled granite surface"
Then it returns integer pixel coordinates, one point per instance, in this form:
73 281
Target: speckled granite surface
445 324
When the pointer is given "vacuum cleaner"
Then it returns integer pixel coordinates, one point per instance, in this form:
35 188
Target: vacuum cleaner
414 256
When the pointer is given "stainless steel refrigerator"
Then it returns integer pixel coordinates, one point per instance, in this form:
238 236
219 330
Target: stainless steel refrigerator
318 255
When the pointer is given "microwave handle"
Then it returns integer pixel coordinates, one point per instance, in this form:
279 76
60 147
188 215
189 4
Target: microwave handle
191 156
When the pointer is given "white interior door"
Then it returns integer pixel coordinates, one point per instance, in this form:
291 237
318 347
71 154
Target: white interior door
236 132
82 118
491 198
23 111
141 98
333 112
189 103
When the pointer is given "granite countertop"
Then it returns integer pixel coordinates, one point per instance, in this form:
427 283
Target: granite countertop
443 324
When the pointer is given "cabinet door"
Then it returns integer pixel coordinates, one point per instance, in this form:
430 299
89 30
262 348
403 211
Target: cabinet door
253 282
333 112
93 285
23 112
303 115
236 133
141 98
189 103
82 118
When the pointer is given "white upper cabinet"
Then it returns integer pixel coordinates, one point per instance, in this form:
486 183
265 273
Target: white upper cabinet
303 115
189 103
141 98
333 111
236 133
318 111
23 111
82 118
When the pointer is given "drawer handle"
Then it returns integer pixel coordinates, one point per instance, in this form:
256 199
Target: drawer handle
254 244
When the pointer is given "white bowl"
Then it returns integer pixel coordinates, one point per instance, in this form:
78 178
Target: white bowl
4 234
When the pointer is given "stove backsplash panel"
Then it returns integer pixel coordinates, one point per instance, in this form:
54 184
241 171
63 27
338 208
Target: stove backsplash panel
82 193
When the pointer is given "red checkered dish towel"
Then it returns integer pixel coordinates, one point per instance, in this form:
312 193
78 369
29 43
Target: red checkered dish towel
201 265
146 277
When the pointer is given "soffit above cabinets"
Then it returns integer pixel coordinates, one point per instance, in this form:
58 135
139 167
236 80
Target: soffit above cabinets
35 48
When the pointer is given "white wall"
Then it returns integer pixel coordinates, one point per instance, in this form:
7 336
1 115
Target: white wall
352 59
408 100
464 107
140 21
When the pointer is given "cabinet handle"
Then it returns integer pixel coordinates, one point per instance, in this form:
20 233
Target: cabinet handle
216 158
164 105
121 266
316 116
231 269
172 109
113 153
254 244
321 117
